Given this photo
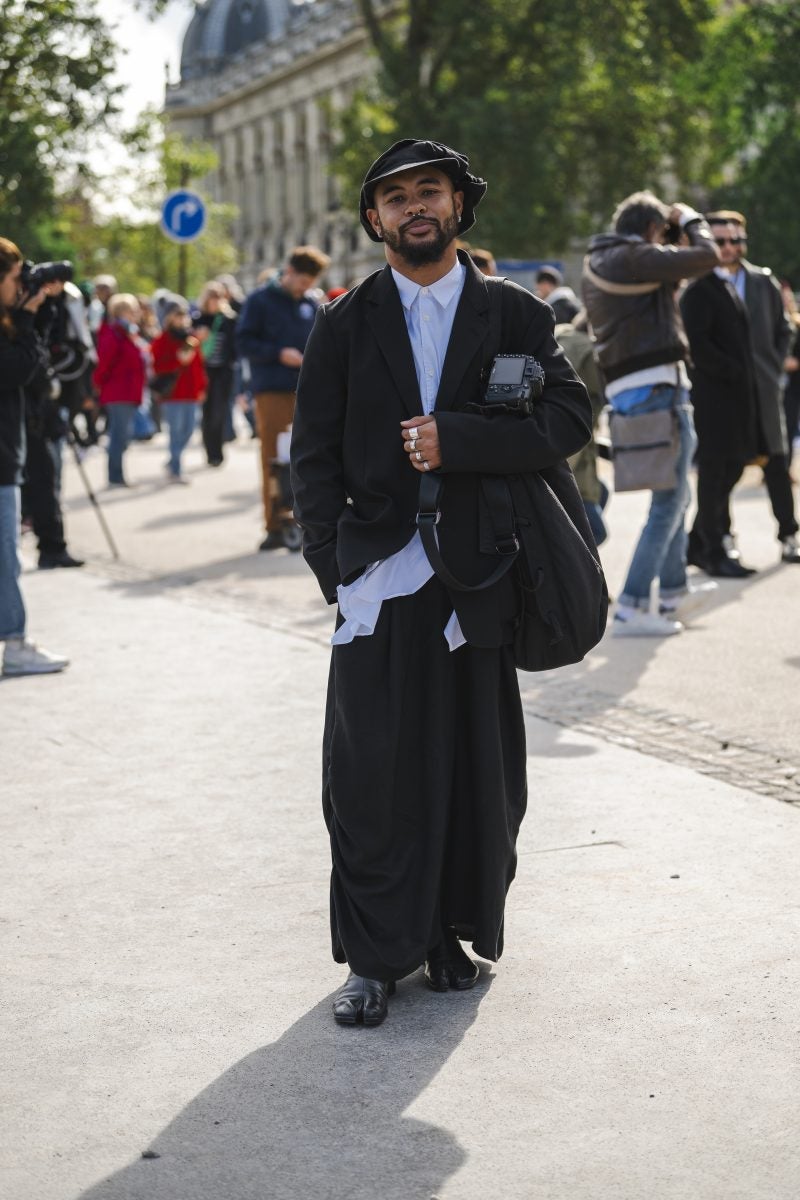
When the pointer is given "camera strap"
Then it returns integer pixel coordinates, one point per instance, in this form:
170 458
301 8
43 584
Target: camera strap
494 488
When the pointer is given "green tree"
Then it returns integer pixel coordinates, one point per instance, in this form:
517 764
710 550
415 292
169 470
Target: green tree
748 81
562 107
133 248
56 57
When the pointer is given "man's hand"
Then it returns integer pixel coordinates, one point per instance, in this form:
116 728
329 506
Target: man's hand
35 302
791 363
184 357
679 213
423 450
290 357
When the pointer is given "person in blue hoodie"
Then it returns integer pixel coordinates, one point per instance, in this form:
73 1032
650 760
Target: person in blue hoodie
271 334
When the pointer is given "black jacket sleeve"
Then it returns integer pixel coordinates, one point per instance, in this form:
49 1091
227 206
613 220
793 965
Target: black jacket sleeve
20 356
560 425
316 454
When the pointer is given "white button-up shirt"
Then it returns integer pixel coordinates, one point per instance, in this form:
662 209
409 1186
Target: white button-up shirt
429 313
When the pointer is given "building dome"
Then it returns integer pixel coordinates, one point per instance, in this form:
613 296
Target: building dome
222 29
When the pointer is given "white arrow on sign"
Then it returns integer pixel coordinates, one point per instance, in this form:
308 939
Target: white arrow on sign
188 208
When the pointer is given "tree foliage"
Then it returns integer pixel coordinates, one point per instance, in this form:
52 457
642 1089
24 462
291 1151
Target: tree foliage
133 248
562 107
55 63
748 80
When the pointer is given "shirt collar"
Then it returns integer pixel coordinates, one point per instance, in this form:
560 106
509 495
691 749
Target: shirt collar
442 291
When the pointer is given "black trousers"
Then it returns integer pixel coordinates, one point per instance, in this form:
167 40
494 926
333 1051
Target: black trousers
40 501
716 479
215 410
424 788
779 488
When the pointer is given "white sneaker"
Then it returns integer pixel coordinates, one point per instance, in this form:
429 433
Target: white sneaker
698 596
22 657
644 624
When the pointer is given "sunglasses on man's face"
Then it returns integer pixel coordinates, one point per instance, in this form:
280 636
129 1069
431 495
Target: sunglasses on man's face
729 241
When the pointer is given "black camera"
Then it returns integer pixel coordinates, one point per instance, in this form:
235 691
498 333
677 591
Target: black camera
34 276
516 381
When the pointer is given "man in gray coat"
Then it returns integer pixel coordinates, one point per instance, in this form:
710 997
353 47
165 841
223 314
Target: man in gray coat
770 337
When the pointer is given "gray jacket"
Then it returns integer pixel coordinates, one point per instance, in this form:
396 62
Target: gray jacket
770 337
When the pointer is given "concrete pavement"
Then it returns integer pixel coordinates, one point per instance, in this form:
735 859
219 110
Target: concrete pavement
165 911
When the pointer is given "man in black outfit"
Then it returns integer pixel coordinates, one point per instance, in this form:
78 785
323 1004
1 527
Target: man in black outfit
424 763
725 403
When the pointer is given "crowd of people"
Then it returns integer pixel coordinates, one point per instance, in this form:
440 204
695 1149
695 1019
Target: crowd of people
673 319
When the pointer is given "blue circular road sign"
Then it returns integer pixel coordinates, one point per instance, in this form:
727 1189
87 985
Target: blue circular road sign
183 215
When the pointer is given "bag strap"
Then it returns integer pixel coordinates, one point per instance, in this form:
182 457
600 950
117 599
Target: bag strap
494 487
501 514
617 289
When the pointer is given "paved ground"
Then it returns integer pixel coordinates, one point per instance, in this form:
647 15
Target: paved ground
165 910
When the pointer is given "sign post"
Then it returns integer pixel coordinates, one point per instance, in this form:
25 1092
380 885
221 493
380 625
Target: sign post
183 219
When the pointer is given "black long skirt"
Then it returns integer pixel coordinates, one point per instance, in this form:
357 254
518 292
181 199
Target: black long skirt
424 788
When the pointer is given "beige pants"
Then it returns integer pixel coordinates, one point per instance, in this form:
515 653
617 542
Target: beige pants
274 414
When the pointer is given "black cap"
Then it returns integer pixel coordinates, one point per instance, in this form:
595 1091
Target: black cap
411 152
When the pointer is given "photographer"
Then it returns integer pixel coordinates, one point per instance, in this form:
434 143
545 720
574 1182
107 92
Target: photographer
630 282
180 380
20 357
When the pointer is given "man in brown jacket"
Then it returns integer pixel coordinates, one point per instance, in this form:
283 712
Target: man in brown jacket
629 287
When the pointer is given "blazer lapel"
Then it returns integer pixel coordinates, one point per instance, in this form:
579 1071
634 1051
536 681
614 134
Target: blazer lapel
388 323
467 337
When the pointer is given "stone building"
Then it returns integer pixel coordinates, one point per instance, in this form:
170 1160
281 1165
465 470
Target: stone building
259 81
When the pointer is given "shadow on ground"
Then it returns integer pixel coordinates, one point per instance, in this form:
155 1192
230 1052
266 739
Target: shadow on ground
319 1113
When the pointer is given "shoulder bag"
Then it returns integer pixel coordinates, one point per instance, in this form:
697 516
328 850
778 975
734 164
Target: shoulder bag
540 528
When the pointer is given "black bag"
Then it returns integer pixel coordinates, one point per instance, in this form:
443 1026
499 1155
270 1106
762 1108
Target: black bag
163 384
540 528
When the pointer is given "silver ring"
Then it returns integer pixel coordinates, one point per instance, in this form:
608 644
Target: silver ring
418 455
426 466
412 444
413 433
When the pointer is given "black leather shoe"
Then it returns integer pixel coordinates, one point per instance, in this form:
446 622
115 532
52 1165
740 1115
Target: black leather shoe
273 541
448 966
725 567
361 1000
47 562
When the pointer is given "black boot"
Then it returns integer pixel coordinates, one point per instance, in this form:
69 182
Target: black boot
362 1000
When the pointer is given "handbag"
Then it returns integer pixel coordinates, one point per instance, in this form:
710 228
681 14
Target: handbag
644 450
540 528
163 384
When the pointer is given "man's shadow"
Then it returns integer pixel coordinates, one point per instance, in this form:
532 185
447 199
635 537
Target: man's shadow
319 1113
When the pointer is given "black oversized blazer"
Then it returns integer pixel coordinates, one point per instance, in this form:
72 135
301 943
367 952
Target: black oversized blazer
723 373
356 494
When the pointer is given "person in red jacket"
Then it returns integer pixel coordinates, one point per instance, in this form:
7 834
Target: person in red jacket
120 377
180 380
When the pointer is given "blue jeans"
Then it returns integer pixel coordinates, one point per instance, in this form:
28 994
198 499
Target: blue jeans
119 423
12 609
661 549
181 416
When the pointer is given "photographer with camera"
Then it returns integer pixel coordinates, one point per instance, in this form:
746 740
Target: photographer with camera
630 283
20 357
394 390
60 388
180 380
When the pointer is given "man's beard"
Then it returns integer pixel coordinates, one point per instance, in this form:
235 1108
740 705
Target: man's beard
420 254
